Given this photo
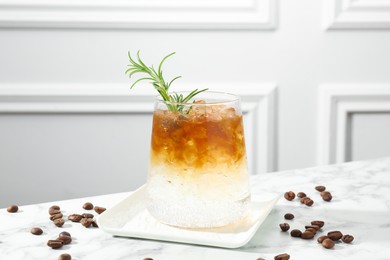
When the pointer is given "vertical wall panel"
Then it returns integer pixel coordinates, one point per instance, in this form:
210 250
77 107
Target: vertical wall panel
370 135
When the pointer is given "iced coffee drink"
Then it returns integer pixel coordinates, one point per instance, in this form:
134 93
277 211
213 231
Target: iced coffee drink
198 174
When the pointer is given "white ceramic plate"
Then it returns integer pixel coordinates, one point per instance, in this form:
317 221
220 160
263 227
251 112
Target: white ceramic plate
130 218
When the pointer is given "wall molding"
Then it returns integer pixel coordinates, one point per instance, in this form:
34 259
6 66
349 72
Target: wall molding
258 106
139 14
356 14
337 102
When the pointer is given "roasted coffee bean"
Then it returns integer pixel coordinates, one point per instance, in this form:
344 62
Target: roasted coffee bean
64 233
54 207
319 223
55 243
326 195
59 222
54 211
328 243
347 239
65 257
56 216
307 235
88 206
312 230
65 239
301 195
289 216
148 258
321 238
75 217
99 210
36 231
335 235
86 222
308 202
303 200
284 227
94 224
296 233
313 226
12 208
289 195
320 188
282 257
87 215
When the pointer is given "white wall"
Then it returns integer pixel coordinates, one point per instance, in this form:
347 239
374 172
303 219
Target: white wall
299 56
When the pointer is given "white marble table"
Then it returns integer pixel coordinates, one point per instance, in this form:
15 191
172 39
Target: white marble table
360 207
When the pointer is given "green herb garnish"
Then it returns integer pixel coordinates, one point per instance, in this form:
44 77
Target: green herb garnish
157 80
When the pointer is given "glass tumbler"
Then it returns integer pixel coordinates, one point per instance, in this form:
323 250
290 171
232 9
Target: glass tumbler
198 174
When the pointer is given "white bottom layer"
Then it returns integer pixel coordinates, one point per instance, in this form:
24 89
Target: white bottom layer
208 200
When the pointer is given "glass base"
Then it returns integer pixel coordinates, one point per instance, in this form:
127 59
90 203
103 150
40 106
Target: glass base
196 213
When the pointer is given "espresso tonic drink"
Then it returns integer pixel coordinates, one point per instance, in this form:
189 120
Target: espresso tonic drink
198 175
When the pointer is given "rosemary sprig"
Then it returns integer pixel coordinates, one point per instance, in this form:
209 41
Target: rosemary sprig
156 78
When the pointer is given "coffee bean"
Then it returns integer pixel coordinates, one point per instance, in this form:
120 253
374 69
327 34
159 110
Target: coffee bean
260 258
65 257
335 235
307 235
313 226
94 224
64 233
87 215
99 210
303 200
308 202
54 211
312 230
75 217
328 243
86 222
65 239
55 207
289 216
321 238
326 195
88 206
59 222
36 231
282 257
56 216
319 223
284 227
347 239
12 208
320 188
295 233
301 195
55 243
148 258
289 195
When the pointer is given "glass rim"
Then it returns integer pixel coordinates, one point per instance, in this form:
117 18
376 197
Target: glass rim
232 98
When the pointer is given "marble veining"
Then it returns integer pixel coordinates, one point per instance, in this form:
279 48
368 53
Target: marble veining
360 206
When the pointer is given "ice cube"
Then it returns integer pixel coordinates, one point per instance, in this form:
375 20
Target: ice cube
229 113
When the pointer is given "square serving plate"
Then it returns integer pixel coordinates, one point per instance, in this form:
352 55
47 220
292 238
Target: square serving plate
130 218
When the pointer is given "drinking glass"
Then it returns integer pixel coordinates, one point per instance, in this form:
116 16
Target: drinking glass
198 174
